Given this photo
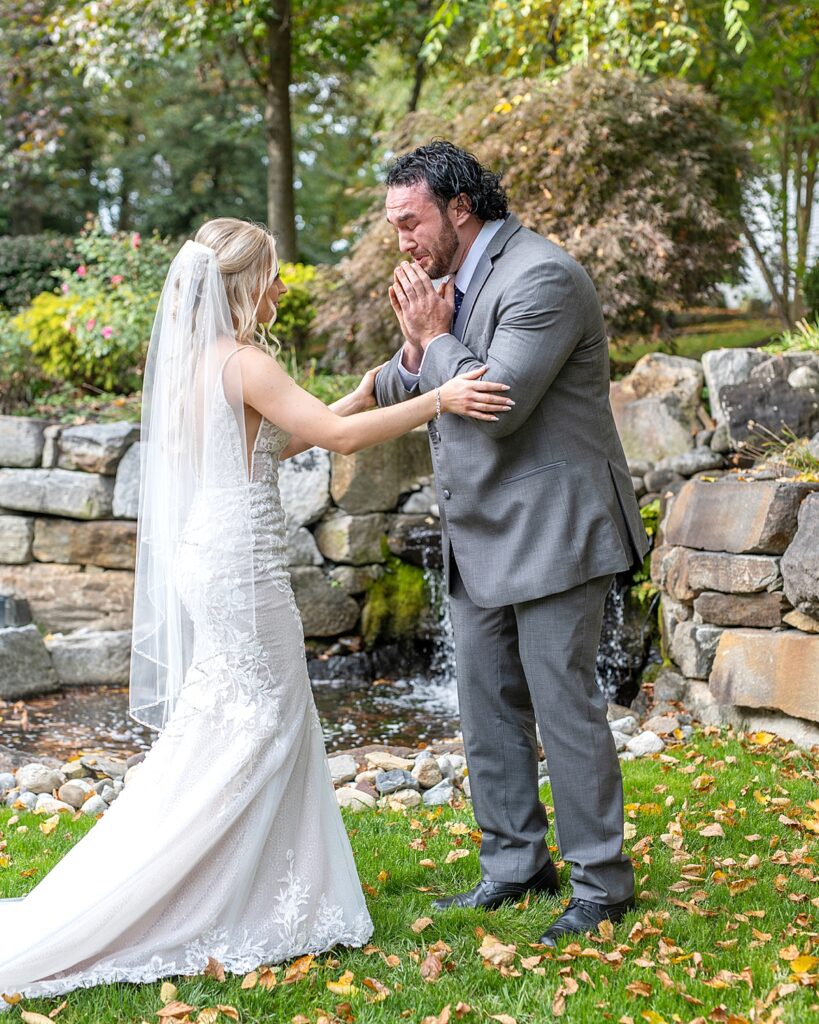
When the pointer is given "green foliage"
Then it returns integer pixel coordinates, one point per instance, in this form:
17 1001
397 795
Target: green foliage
28 264
642 588
296 308
810 289
396 604
804 338
95 331
638 179
22 381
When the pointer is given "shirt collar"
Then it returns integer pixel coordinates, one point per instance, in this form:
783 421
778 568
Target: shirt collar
473 257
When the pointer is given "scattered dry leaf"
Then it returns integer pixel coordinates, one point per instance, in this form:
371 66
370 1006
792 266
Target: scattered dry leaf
214 970
420 924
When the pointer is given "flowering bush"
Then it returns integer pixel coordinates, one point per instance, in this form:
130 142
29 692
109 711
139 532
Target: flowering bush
95 330
296 309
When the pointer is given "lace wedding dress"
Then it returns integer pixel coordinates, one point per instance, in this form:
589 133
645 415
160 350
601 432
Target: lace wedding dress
227 842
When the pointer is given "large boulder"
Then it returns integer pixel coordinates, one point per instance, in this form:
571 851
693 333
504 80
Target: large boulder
302 548
736 515
126 485
773 400
64 597
104 542
304 485
693 648
726 366
760 668
372 480
353 540
325 610
88 657
21 441
655 406
57 492
684 572
800 563
25 665
95 447
16 535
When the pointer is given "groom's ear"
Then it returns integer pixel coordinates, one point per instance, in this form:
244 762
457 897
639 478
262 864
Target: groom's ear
461 206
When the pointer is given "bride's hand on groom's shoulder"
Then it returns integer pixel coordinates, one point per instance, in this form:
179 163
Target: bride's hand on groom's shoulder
469 395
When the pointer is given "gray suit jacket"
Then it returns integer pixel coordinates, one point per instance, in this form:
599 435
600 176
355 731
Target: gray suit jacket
542 500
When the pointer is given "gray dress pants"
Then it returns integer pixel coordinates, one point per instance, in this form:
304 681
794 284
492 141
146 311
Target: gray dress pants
535 661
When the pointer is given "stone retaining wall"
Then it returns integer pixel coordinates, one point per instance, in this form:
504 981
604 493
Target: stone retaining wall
68 505
738 566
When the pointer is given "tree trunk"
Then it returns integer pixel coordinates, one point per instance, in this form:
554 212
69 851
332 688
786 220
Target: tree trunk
778 301
281 207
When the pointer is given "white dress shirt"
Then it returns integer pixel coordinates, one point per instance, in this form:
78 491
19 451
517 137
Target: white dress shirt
462 280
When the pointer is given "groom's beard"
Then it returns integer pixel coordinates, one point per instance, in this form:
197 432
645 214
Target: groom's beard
442 253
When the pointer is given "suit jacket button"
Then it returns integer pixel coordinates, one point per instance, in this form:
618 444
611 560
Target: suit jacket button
447 494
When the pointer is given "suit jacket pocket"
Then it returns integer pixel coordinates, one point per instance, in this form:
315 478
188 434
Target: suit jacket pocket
532 472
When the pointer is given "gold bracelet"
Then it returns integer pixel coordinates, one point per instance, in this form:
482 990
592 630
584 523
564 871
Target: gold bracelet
437 403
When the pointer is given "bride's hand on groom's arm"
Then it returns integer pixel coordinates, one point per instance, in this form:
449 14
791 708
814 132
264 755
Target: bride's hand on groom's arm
469 395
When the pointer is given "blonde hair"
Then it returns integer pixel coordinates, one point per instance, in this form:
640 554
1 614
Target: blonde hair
249 264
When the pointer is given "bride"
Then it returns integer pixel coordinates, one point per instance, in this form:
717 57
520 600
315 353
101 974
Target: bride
227 842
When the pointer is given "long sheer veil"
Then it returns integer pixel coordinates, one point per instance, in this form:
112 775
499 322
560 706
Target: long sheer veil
194 568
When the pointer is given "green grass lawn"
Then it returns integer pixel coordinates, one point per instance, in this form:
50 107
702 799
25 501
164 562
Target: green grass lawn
691 342
727 927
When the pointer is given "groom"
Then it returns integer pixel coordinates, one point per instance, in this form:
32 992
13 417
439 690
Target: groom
537 512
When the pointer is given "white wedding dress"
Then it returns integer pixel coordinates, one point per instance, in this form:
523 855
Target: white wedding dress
227 842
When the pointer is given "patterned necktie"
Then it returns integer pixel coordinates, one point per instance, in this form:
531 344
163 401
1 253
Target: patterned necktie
459 298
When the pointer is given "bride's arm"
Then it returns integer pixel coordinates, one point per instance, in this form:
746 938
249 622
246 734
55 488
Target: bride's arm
276 396
357 401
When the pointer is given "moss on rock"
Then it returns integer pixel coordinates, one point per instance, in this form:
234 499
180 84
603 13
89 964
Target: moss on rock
397 604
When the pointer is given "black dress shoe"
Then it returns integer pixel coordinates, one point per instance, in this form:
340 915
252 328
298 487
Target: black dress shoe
582 916
490 895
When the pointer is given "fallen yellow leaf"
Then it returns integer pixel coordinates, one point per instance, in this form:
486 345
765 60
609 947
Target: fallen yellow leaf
168 992
420 924
48 826
803 964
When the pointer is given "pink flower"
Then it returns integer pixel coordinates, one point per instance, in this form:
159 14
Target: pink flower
117 279
82 271
107 332
136 239
90 324
64 288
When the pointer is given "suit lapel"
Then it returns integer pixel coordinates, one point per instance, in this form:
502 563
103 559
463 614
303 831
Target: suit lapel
482 272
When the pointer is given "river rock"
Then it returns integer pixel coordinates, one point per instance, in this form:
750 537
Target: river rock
800 563
46 804
427 772
16 535
733 515
21 441
669 686
74 793
126 484
56 492
25 665
343 768
373 479
645 743
21 801
355 799
439 795
698 460
107 543
387 762
325 610
64 597
302 548
662 725
627 725
762 610
416 539
725 366
355 540
655 406
404 799
304 485
392 781
760 668
105 767
804 377
95 447
694 647
7 782
91 657
94 806
74 770
37 778
447 768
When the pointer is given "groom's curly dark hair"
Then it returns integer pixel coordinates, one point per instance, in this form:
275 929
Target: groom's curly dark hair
450 172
